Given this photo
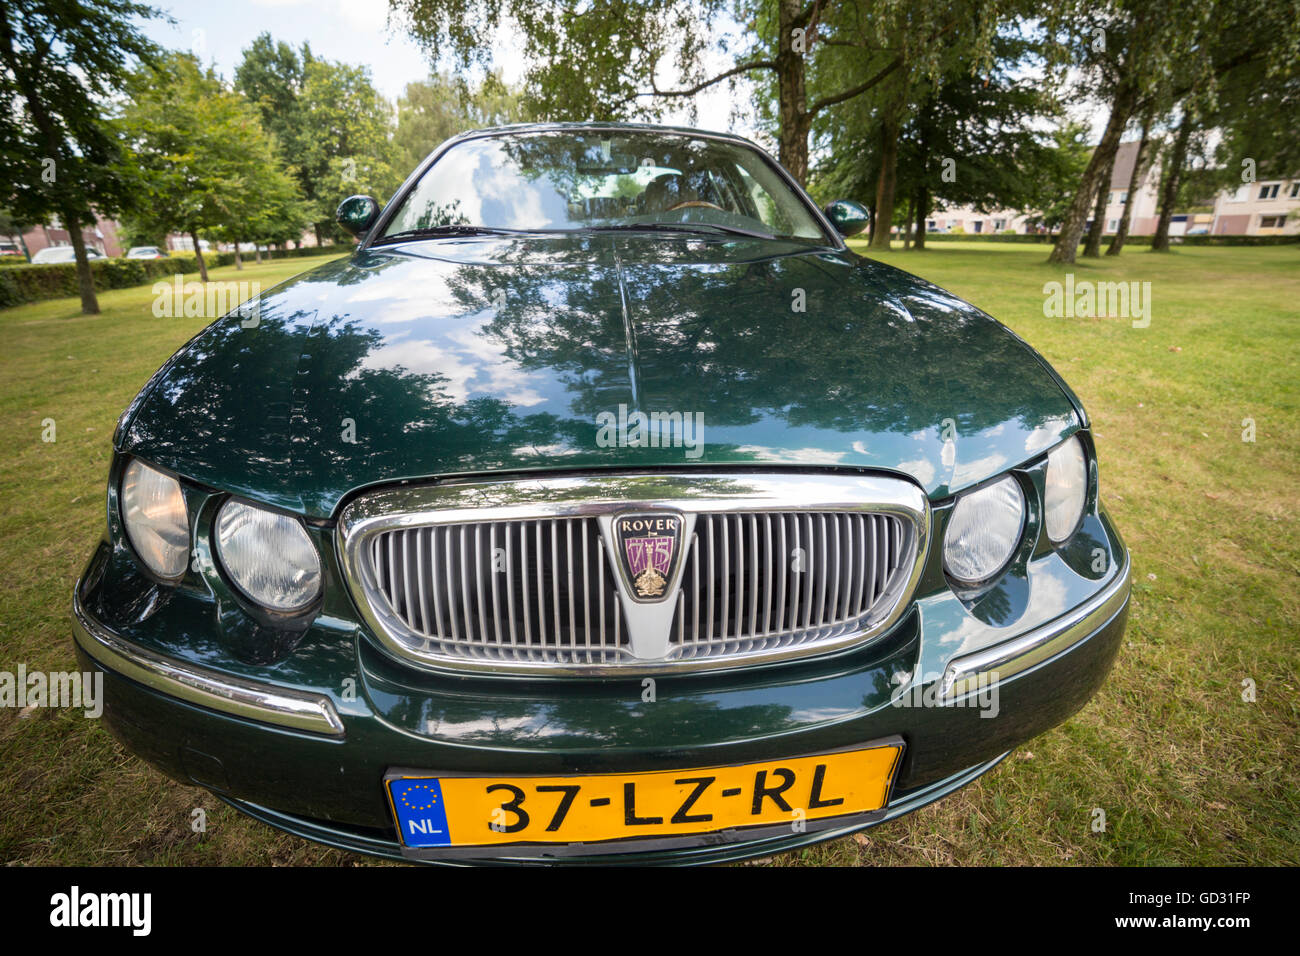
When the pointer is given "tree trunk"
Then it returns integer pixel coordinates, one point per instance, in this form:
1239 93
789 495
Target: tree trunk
921 209
257 252
1092 248
792 100
198 254
239 263
1067 243
85 279
1134 181
889 127
1173 179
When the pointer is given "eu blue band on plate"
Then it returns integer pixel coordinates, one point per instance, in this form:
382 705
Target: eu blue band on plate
421 814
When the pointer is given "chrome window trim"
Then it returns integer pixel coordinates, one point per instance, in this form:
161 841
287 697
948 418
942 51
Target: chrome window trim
689 493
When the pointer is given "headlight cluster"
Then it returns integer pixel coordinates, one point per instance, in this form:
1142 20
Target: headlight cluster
269 556
1066 491
157 524
984 531
986 525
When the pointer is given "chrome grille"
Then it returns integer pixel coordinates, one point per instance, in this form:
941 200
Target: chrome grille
523 576
503 590
778 579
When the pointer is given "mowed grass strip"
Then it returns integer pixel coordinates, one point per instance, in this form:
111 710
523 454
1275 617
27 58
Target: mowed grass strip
1186 771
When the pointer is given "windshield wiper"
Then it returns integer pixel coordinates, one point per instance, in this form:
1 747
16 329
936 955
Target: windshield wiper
695 227
433 232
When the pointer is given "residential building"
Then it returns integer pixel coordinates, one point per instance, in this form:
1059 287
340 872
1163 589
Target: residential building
102 237
1270 207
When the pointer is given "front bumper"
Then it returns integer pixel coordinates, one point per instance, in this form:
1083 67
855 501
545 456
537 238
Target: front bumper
297 750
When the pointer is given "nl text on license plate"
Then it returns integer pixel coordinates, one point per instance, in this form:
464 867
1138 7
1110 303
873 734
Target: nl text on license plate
457 810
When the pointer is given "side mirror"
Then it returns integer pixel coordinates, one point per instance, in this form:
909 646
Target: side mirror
848 217
357 214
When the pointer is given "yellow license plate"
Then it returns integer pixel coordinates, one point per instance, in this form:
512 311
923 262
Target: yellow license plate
451 811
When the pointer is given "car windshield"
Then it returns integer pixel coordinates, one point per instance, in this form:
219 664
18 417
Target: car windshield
604 179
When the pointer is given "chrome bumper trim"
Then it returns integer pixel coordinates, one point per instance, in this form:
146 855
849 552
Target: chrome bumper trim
296 710
979 669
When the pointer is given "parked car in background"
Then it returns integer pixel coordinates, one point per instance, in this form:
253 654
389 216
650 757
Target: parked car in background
602 504
10 250
52 255
145 252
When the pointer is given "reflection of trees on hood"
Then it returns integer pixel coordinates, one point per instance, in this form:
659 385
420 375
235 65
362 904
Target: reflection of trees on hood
874 350
394 407
308 406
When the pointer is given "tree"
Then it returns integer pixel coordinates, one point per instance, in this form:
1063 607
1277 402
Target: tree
433 110
271 75
1092 247
1050 189
57 157
974 139
344 145
1146 56
603 59
1170 181
206 165
332 128
1140 160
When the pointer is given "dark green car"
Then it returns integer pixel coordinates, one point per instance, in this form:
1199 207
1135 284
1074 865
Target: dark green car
602 505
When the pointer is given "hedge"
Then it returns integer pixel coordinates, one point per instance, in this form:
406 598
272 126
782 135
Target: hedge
24 283
1130 241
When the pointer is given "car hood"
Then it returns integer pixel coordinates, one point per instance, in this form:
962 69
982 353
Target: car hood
482 355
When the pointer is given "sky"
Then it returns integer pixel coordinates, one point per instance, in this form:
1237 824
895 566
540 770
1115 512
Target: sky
351 31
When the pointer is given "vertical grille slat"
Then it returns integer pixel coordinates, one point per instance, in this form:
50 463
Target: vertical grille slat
545 590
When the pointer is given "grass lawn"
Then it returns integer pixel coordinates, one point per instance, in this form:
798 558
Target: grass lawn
1187 772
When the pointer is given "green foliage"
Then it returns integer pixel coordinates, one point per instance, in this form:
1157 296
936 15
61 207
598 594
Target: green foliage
974 137
585 60
58 63
23 283
1051 182
205 164
433 110
332 128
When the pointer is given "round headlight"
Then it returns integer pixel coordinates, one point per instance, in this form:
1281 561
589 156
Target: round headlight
268 555
983 531
153 512
1066 489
